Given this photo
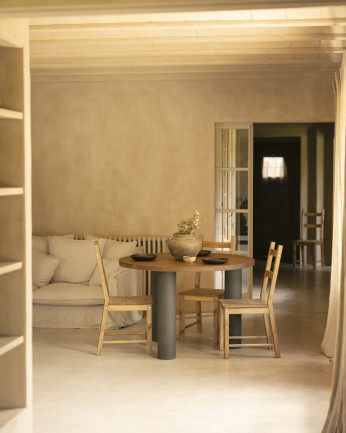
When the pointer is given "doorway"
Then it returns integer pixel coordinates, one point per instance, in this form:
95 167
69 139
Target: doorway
233 191
276 194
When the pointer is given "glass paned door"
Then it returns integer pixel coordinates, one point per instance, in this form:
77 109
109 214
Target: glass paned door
233 190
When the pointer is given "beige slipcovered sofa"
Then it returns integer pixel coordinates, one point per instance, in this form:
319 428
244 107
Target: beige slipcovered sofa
67 290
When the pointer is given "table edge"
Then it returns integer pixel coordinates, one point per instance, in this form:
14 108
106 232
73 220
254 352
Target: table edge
197 266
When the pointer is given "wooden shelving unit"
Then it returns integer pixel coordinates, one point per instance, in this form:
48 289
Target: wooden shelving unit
15 230
6 267
10 114
8 417
9 343
5 191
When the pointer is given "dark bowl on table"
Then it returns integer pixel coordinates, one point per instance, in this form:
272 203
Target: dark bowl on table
215 260
143 257
203 253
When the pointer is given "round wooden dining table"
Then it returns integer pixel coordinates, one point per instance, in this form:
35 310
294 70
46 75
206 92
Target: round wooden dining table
163 291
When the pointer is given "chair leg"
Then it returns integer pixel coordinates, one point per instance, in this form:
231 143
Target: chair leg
314 256
102 332
302 252
226 335
294 256
322 255
181 318
268 331
221 328
149 330
199 316
216 320
274 331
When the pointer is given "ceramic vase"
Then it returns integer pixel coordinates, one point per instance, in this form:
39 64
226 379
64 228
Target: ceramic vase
180 245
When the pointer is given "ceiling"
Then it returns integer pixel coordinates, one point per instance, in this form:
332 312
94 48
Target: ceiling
221 44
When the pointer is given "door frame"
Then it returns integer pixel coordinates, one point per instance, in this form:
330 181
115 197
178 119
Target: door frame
249 170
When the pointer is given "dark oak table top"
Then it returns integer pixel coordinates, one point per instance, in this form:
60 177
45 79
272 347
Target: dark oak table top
165 262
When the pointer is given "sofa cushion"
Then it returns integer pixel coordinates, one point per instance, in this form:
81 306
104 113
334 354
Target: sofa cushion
41 242
112 269
115 249
77 259
68 294
43 267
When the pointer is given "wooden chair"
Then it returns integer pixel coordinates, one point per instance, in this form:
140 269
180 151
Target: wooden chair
125 303
301 243
263 305
200 295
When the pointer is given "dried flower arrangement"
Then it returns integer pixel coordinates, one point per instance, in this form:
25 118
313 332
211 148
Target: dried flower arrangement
188 226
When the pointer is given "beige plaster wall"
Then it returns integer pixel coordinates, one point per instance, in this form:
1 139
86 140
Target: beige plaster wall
135 157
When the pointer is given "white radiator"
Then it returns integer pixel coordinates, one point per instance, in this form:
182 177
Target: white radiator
148 244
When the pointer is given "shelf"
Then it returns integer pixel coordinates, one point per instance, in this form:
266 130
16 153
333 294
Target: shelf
5 191
7 267
7 417
9 343
10 114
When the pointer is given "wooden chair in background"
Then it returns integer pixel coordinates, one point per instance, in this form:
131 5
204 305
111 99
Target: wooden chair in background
124 303
263 305
301 243
200 295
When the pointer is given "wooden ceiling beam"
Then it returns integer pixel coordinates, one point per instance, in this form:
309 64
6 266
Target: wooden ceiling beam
148 29
235 39
165 51
333 33
303 38
63 8
180 60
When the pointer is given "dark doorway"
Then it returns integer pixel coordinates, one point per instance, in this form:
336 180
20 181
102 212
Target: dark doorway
276 198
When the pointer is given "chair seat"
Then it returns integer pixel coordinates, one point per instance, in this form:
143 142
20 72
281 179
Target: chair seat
243 303
122 303
199 294
130 300
307 242
263 305
203 292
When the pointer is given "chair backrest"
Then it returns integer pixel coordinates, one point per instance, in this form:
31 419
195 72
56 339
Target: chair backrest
230 246
305 222
271 274
102 272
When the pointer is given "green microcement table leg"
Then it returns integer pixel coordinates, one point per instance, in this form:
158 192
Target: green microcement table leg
233 290
164 313
154 289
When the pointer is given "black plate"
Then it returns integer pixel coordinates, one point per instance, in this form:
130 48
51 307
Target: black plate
203 253
143 257
215 260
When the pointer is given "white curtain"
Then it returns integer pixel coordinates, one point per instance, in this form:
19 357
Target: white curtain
328 344
334 342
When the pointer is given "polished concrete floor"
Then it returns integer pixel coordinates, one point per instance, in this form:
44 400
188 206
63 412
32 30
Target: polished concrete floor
127 391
